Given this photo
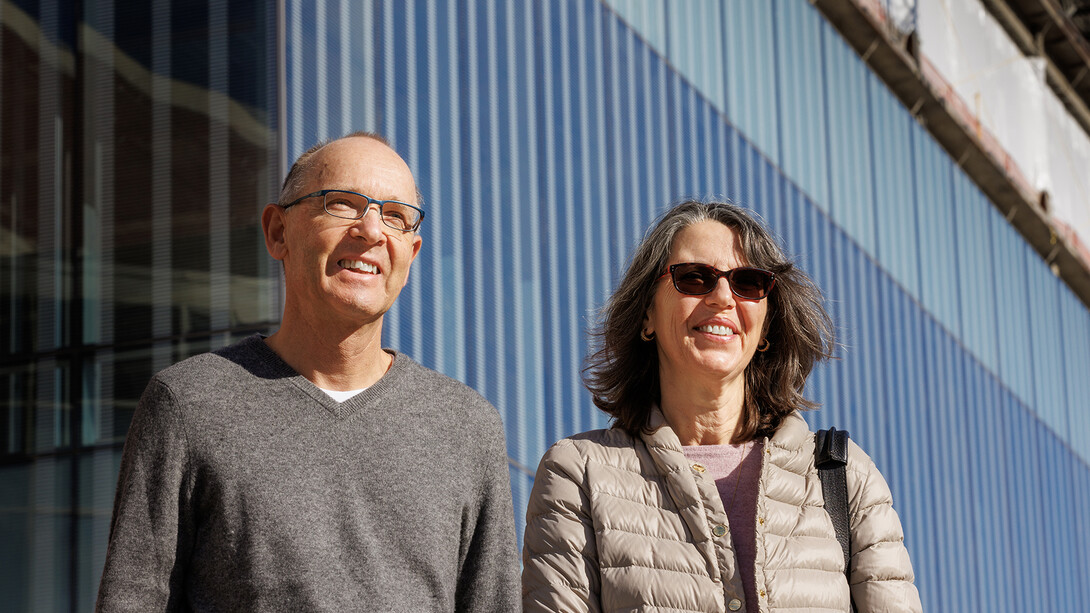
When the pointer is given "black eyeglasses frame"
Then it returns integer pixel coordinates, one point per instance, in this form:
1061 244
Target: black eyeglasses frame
322 193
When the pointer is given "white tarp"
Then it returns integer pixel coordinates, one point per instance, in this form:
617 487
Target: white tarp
1010 98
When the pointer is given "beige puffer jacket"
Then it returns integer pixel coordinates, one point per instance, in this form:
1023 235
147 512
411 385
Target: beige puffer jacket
622 524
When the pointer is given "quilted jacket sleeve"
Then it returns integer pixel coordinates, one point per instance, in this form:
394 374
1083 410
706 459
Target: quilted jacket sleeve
881 577
560 558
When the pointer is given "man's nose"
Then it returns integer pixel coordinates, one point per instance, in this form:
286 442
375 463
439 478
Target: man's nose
370 226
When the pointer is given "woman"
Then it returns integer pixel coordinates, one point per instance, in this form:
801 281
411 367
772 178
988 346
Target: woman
703 496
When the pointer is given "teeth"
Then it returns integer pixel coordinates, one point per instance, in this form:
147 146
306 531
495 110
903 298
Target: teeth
357 265
717 330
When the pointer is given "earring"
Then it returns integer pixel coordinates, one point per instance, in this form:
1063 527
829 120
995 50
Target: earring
763 345
647 336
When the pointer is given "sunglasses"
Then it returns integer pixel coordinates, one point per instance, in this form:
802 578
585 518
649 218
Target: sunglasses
694 279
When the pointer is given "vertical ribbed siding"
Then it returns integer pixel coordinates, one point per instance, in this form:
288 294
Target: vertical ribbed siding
1047 344
1009 310
851 182
935 218
748 40
1076 328
982 278
798 30
894 199
555 209
546 138
646 17
695 46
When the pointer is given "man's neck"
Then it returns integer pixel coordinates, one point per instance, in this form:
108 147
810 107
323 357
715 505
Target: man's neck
332 359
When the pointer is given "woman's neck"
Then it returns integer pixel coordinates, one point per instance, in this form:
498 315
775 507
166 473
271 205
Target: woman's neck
702 414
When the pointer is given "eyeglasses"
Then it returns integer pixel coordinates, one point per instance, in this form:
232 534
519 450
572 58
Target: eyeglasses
694 279
351 205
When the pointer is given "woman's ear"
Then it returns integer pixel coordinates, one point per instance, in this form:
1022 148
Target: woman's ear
647 329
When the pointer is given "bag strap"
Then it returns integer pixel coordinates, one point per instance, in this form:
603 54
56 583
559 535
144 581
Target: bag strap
830 457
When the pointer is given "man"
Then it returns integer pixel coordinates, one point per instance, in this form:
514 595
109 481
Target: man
313 469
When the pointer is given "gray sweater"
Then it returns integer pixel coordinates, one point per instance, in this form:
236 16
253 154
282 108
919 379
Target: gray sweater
244 487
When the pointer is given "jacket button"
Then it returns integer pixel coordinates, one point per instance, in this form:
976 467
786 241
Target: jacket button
734 604
719 530
761 520
699 468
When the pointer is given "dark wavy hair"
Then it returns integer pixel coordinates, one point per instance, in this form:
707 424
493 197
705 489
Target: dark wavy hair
622 373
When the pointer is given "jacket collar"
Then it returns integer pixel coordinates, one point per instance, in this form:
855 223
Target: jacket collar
792 433
663 444
664 447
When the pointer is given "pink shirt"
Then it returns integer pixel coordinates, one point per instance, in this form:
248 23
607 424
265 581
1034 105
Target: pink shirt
737 471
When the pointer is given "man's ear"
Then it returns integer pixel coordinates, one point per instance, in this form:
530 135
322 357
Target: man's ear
272 224
417 241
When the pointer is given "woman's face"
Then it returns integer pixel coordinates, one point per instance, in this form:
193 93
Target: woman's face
714 335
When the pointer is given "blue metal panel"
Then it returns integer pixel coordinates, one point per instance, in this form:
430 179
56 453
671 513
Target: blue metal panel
751 94
1012 292
646 17
699 175
1025 496
954 422
851 192
556 202
1080 538
1075 324
1063 583
994 552
938 232
894 195
939 407
547 136
799 29
977 265
694 42
1046 350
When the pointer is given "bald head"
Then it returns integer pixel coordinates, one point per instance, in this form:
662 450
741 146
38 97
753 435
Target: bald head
313 160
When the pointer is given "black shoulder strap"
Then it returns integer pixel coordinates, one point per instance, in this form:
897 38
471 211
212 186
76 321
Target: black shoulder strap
830 457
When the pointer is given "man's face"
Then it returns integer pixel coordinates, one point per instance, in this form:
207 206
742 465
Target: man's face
340 270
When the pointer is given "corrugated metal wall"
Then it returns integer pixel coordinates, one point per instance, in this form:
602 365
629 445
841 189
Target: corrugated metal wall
546 136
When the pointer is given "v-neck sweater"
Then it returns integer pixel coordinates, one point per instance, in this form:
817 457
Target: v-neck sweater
243 486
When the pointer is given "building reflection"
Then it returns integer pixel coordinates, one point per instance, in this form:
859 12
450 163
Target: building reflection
138 145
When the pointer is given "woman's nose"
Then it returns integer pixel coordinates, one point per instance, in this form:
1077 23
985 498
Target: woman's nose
721 294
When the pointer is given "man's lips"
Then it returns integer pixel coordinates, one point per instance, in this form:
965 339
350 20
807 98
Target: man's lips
358 265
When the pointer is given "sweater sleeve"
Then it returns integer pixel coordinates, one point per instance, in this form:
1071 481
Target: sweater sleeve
151 530
881 572
560 558
488 572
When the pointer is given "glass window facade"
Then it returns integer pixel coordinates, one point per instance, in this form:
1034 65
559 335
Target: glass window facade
139 145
